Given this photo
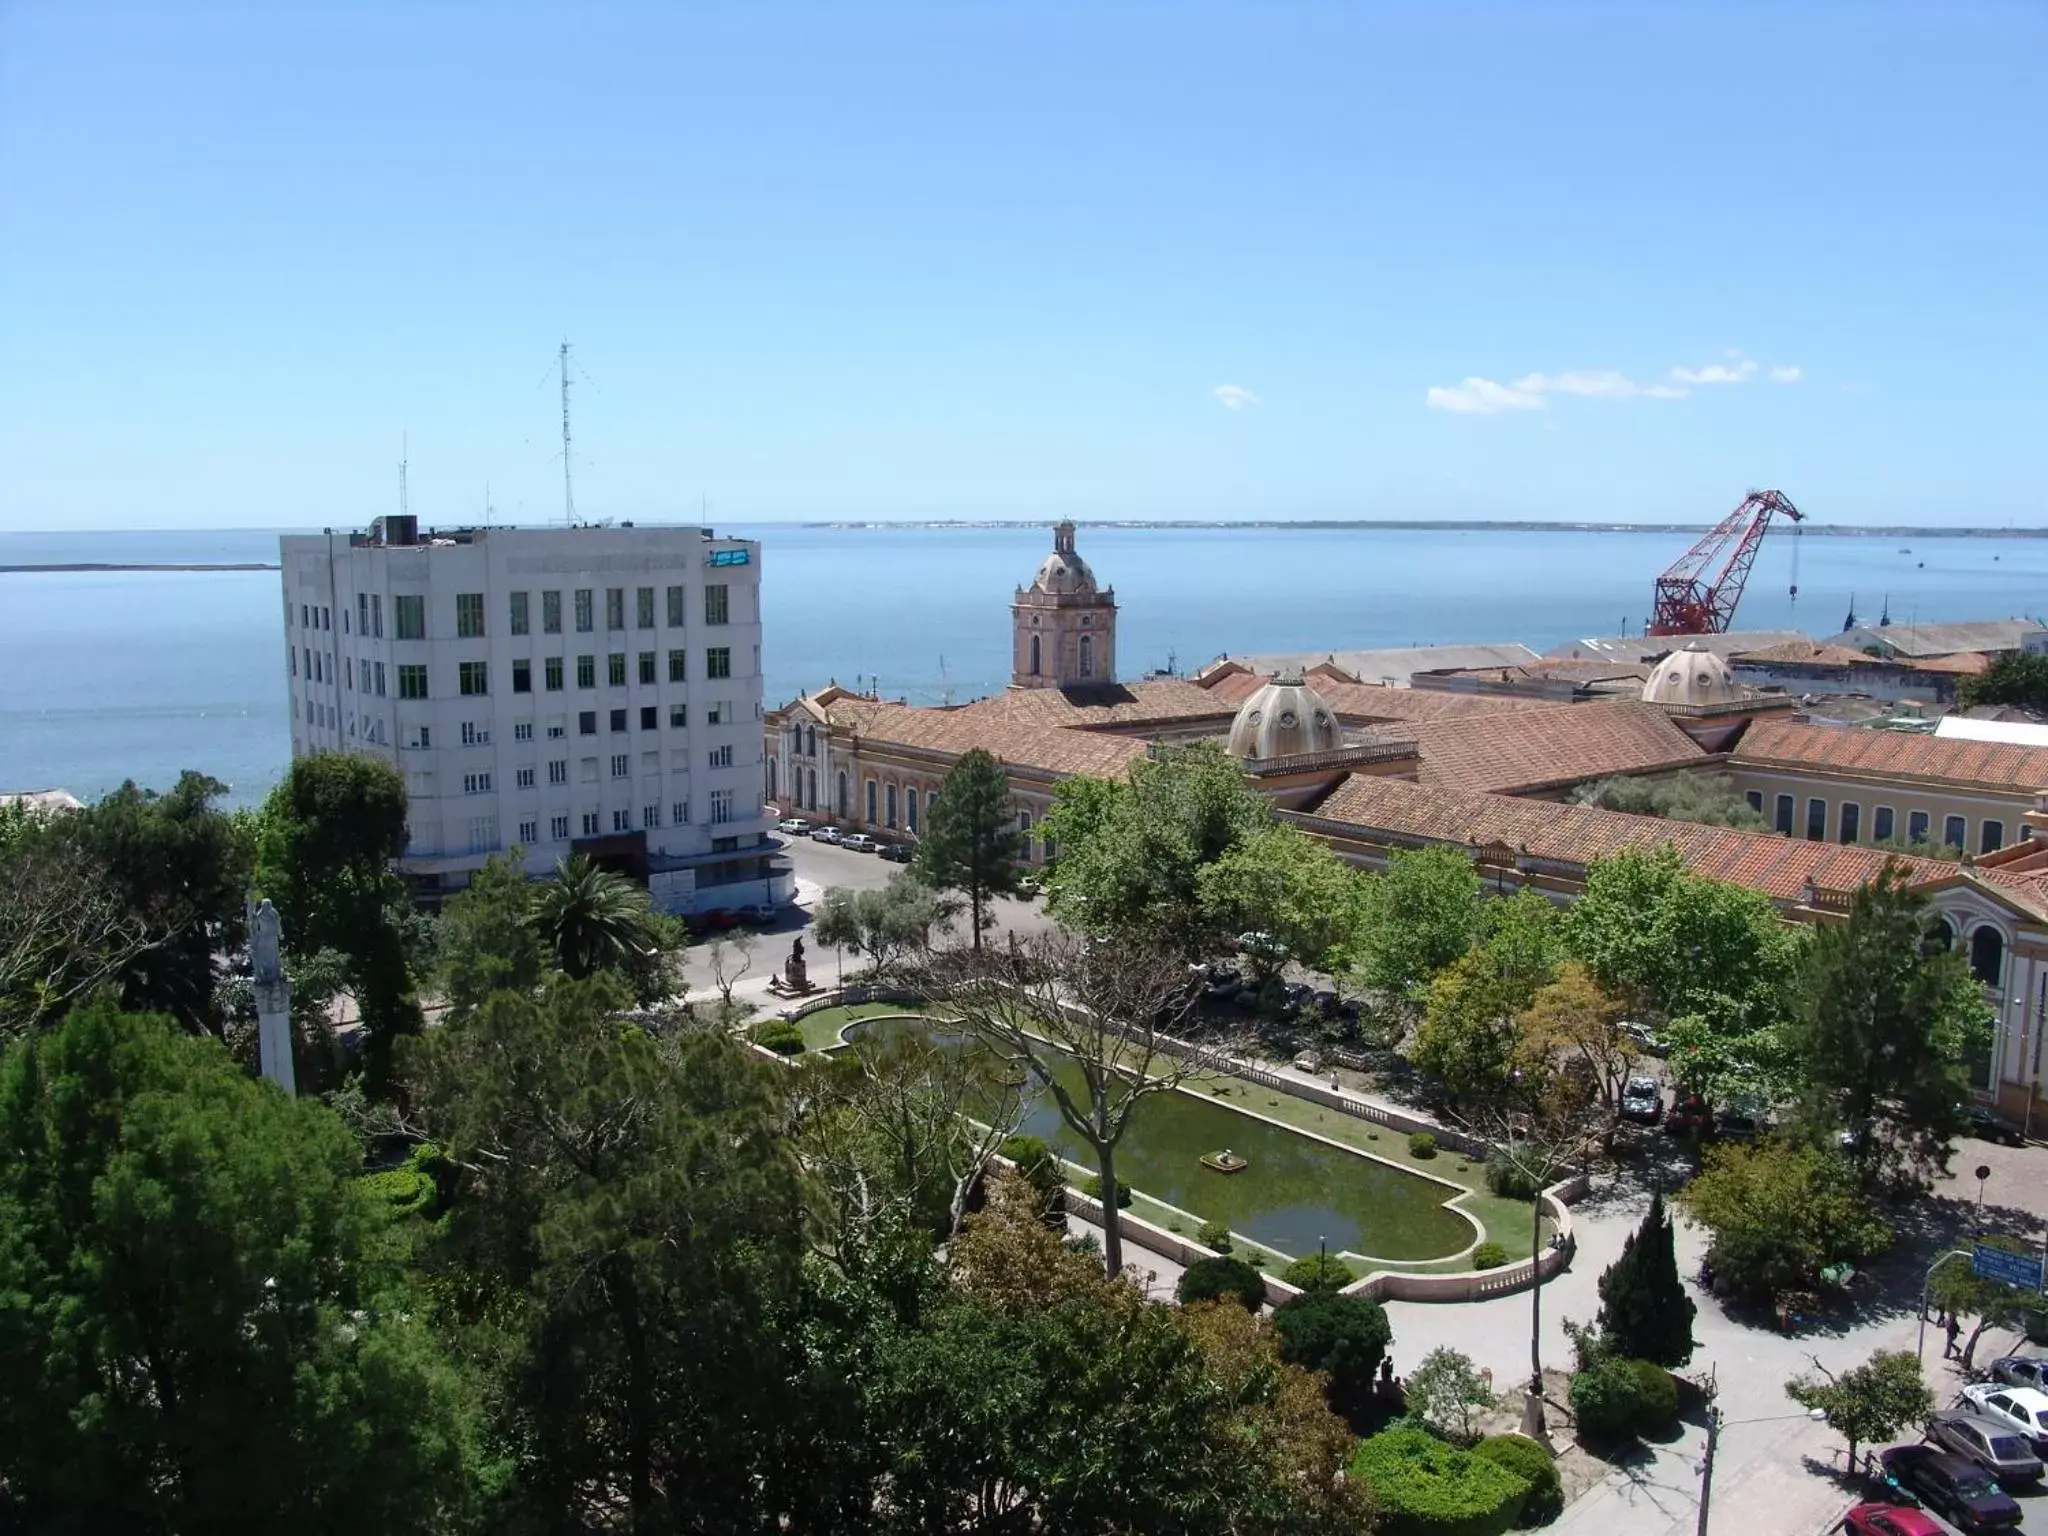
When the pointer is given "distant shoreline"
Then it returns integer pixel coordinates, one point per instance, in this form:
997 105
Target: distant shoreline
107 565
1437 525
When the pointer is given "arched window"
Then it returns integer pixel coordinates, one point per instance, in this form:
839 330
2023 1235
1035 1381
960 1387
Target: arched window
889 806
1941 935
842 794
771 778
1987 955
811 800
1034 655
871 802
1087 656
810 741
910 808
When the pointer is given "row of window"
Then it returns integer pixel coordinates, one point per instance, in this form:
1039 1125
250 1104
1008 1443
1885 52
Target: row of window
409 611
483 833
473 678
1955 830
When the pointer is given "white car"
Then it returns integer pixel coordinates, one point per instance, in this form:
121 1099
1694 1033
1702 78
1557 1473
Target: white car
2023 1408
796 826
824 834
859 842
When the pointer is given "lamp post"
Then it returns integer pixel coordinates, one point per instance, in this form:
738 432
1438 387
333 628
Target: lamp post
1983 1173
1715 1424
1926 1284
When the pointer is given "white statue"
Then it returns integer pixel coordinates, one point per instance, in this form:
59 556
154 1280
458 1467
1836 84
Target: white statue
265 930
273 997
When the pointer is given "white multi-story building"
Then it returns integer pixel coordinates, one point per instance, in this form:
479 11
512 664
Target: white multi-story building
591 690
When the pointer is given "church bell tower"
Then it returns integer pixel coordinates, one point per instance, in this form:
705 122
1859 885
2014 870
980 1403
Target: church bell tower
1063 627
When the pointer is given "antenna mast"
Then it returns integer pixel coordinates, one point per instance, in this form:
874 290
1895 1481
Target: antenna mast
568 490
404 453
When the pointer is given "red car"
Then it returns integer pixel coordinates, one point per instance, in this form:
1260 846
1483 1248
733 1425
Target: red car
1890 1520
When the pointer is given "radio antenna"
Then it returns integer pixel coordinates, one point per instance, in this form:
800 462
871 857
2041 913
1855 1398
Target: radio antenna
404 453
568 487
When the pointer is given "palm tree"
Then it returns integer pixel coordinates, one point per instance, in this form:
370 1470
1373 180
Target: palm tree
593 919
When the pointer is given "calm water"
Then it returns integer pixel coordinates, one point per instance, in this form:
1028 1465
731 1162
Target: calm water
104 676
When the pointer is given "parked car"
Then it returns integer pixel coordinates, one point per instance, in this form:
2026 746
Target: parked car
1642 1101
758 915
824 834
2021 1371
1997 1448
1646 1039
795 826
1960 1489
1689 1116
1890 1520
2024 1409
859 842
895 853
1981 1122
1223 981
1740 1121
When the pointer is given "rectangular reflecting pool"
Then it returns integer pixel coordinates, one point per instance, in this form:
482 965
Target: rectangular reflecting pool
1296 1192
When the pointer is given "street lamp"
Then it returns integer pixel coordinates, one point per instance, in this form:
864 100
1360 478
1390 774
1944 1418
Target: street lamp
1715 1424
1983 1173
1927 1284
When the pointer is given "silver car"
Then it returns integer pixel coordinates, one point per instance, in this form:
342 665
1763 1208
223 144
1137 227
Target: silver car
1998 1448
2021 1410
2021 1371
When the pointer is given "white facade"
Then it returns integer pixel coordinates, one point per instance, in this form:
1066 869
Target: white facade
560 689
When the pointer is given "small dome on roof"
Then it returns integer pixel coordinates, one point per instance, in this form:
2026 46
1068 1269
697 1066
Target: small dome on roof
1063 572
1694 676
1285 718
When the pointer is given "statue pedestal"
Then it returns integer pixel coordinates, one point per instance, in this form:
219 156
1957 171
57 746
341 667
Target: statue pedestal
795 976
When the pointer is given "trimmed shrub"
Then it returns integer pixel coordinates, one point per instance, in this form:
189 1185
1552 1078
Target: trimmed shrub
1222 1280
780 1036
1504 1179
1656 1396
1427 1487
1489 1255
1616 1399
1344 1336
1534 1466
1422 1144
407 1191
1317 1272
1093 1189
1216 1235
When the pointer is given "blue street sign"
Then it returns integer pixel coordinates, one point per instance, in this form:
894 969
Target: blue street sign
2021 1269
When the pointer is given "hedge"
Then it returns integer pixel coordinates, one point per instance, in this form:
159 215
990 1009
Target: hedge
1533 1465
1222 1280
1615 1399
1507 1181
1093 1189
1428 1487
1489 1255
1422 1144
1317 1272
780 1036
1214 1234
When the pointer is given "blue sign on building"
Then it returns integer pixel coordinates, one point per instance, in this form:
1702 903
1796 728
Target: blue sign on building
728 557
2021 1269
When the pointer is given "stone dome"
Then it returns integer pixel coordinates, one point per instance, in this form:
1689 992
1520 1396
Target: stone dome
1063 573
1285 718
1694 676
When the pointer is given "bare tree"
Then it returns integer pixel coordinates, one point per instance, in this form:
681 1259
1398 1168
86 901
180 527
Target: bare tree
64 933
1085 1021
730 958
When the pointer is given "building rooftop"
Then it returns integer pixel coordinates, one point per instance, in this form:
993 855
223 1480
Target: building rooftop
1099 754
1806 653
1548 747
2018 733
1652 647
42 800
1112 706
1922 640
1897 755
1391 667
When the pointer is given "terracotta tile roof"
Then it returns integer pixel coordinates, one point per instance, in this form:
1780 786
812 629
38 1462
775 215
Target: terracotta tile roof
1894 755
1025 746
1809 653
1962 664
1365 703
1160 700
1549 744
1780 867
1236 687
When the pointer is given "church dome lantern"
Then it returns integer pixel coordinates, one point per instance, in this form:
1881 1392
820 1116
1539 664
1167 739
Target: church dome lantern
1284 718
1694 677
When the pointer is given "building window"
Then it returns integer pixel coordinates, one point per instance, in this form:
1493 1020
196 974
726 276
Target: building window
719 713
615 669
1881 824
1087 656
910 809
1987 955
721 757
1955 832
1034 655
717 604
586 722
426 739
810 741
1816 820
614 607
1784 815
679 814
551 674
483 834
1991 836
522 677
889 807
718 661
377 615
586 671
584 621
675 607
1917 826
589 770
811 790
473 677
551 613
291 655
469 615
650 717
871 803
556 730
518 613
643 614
473 737
558 771
678 716
476 783
841 802
409 616
650 815
523 731
590 823
622 764
523 777
412 680
362 613
677 662
618 720
622 821
721 807
529 832
650 762
1755 797
647 666
1852 817
558 828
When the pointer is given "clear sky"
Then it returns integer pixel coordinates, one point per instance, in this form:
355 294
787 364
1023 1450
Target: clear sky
1015 260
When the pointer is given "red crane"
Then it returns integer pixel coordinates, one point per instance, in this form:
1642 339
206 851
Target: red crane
1688 601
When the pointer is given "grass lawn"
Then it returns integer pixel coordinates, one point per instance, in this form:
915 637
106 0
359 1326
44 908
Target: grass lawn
821 1029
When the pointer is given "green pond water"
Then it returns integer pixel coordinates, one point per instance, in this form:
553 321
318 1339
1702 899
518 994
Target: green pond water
1296 1193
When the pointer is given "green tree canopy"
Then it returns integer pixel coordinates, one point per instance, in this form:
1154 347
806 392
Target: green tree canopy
1710 799
1780 1211
1345 1337
2016 678
1869 1402
488 941
884 924
1414 920
205 1325
1280 881
1645 1313
971 838
593 919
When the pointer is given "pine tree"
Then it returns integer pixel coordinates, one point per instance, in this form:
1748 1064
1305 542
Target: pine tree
971 841
1644 1311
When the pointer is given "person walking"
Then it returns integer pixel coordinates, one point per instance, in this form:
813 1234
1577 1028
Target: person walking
1951 1328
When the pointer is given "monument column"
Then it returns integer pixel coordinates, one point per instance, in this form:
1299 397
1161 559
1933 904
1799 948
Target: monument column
273 998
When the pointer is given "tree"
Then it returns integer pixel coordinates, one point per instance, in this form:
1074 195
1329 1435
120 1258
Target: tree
1868 1402
1954 1286
1423 1484
730 959
1415 920
206 1326
592 919
1645 1313
885 925
1890 1027
1572 1018
1222 1279
971 839
2015 678
65 932
1098 1010
1710 799
488 941
1780 1211
1468 1040
1282 882
1344 1337
1445 1390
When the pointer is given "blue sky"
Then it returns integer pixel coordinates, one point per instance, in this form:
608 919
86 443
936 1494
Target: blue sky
1020 260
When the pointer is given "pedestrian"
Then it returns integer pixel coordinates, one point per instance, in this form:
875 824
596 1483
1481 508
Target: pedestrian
1952 1328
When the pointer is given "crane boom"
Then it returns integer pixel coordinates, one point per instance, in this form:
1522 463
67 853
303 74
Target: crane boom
1689 601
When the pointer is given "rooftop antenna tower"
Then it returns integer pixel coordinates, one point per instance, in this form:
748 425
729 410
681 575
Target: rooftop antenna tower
568 487
404 453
